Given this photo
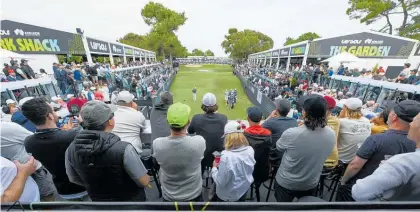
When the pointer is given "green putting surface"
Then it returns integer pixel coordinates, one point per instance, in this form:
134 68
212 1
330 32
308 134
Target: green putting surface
209 78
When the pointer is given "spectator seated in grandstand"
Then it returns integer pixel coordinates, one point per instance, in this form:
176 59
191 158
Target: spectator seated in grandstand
179 157
16 183
259 138
13 77
129 122
305 149
232 174
210 125
13 149
396 179
379 123
379 147
49 143
354 129
277 123
158 116
334 123
19 118
109 168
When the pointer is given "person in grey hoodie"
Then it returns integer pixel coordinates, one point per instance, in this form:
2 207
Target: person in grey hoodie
232 173
158 122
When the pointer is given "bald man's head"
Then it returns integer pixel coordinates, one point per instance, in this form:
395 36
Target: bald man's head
414 132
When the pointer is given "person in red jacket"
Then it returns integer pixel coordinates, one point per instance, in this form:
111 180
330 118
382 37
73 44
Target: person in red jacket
259 138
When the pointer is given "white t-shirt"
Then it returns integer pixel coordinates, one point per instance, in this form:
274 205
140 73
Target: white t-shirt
8 172
128 125
353 132
105 93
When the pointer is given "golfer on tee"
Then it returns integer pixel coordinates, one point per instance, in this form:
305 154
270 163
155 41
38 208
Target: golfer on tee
194 93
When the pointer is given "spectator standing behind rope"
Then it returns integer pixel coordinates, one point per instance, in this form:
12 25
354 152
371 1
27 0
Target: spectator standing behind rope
259 138
179 157
49 143
396 179
380 147
158 116
233 175
211 126
99 160
305 149
129 123
354 129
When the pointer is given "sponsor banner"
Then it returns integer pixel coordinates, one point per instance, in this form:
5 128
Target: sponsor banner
117 49
268 54
275 53
98 46
417 52
298 50
137 53
364 45
284 52
128 50
30 39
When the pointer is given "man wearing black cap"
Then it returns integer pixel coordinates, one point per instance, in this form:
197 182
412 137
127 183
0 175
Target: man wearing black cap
379 147
109 169
305 150
258 138
27 69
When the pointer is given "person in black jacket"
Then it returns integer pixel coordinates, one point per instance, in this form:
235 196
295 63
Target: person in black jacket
158 121
109 169
27 69
259 138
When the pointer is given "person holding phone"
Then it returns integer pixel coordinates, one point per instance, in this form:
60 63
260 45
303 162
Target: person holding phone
233 173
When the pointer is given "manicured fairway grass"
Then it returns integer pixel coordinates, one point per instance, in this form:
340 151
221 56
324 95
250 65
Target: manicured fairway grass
209 78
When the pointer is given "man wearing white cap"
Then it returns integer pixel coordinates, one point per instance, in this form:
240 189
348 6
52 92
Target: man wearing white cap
210 125
128 121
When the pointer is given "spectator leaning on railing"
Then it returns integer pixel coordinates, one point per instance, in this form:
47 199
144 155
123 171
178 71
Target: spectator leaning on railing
179 157
109 168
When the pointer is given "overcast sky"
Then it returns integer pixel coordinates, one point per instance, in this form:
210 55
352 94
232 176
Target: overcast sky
208 20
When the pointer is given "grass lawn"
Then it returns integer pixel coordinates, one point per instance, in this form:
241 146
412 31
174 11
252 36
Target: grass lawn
216 80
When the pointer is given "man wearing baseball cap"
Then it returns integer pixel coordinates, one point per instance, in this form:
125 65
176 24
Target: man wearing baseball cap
179 157
109 168
379 147
259 138
129 123
305 150
396 179
210 125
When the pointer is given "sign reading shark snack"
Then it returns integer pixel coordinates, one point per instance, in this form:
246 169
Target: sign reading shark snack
116 49
97 46
364 45
30 39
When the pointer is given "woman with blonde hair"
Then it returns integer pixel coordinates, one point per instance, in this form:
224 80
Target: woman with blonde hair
354 129
232 173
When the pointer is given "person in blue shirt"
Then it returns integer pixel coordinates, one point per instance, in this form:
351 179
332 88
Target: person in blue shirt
330 71
78 78
341 70
13 77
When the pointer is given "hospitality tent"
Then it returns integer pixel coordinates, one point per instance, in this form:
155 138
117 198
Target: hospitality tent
343 57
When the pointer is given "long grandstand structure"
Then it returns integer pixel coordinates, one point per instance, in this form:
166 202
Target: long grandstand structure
204 60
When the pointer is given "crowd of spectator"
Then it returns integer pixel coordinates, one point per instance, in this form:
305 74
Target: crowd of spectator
99 151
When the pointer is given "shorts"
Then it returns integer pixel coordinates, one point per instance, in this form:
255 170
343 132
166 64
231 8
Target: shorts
43 179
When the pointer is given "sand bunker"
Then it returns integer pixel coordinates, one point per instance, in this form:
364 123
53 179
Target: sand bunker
193 65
